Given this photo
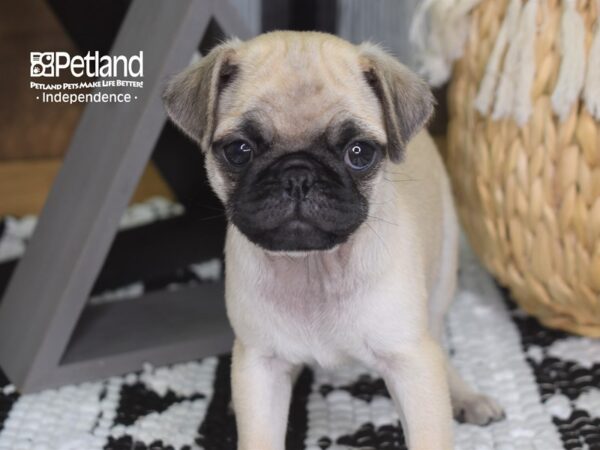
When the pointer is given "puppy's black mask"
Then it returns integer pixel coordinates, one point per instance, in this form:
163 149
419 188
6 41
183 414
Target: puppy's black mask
297 200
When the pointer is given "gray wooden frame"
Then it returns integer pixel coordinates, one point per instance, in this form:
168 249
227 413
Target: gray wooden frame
41 343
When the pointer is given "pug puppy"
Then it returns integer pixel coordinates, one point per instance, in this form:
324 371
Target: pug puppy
342 237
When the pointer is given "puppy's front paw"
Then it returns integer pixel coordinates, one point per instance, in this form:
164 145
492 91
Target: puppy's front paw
477 409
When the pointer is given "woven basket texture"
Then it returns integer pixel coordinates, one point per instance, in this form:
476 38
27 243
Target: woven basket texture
529 197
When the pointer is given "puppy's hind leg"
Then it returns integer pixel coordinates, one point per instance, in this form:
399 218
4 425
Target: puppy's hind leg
468 405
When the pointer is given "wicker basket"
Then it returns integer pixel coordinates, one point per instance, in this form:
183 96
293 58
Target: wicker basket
529 196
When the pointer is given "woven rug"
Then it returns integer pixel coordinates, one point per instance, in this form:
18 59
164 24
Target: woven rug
547 381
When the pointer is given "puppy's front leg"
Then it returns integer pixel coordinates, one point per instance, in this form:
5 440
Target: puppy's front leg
261 391
416 379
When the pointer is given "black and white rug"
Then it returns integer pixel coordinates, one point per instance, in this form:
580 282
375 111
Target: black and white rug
547 381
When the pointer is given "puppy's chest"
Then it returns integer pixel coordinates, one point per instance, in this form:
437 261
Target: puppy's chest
312 309
305 285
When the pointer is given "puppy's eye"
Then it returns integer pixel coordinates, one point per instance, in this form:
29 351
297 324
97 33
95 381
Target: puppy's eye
238 153
359 156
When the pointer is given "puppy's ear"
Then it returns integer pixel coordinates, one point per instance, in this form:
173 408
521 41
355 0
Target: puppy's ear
191 98
406 100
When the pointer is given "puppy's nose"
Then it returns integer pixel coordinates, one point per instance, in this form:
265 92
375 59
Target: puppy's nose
297 177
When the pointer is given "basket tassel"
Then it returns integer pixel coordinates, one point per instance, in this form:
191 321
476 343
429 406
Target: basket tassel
438 33
526 68
591 90
485 96
457 28
425 36
519 69
572 68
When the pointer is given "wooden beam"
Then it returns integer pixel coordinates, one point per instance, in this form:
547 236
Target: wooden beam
106 158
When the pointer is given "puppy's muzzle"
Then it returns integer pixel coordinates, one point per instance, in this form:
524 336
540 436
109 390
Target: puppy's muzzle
297 203
297 177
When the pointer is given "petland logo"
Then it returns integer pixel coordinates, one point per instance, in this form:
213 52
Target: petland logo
109 77
51 64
